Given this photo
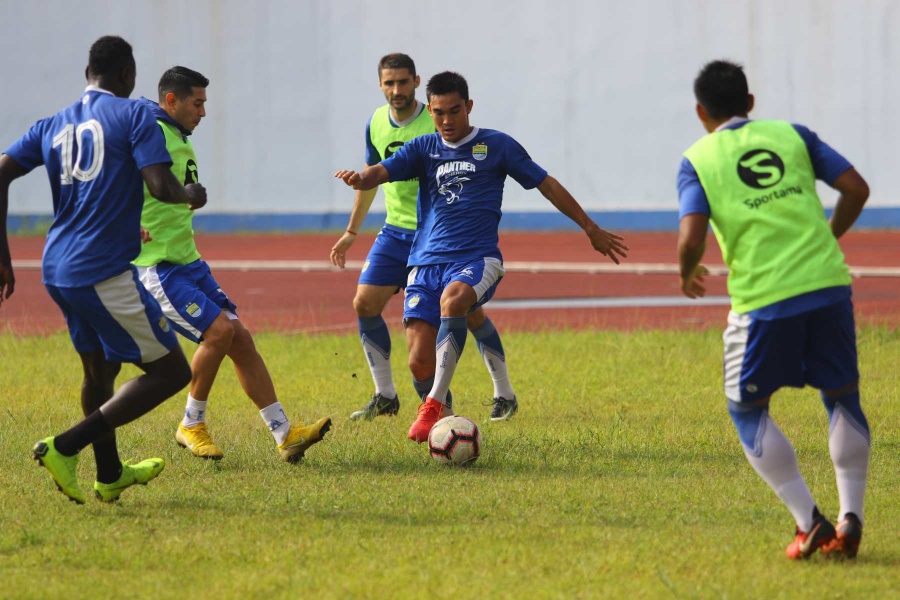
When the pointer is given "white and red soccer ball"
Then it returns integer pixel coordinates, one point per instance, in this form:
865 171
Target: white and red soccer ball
455 440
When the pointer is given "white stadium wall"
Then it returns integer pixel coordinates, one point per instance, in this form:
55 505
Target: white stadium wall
599 92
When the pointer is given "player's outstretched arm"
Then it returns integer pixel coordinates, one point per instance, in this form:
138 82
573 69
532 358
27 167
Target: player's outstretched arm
361 205
854 193
9 171
164 187
603 241
691 247
367 179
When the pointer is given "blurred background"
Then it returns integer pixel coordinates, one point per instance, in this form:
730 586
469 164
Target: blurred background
599 92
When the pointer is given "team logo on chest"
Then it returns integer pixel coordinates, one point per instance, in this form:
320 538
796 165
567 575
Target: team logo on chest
450 178
479 151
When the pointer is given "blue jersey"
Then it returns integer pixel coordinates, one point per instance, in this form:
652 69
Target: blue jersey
93 151
460 192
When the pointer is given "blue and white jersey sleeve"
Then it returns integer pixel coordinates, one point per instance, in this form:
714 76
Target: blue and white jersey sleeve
691 196
148 142
407 162
28 150
373 157
520 166
827 163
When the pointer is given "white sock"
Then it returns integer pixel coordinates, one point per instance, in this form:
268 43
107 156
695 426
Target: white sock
496 366
194 412
277 422
379 361
777 465
849 446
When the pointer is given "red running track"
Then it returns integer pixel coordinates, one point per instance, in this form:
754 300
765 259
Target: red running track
320 301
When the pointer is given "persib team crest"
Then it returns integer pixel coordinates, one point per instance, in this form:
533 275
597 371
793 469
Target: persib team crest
194 310
479 151
164 324
413 302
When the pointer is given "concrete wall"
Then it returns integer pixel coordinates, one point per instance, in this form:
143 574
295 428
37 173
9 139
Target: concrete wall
599 91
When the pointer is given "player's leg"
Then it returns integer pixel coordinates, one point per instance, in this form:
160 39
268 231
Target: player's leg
292 440
383 274
369 303
504 403
194 304
832 367
120 315
97 387
761 357
421 336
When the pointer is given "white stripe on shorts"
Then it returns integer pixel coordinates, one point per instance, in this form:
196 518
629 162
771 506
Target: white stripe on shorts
123 301
150 278
493 271
735 338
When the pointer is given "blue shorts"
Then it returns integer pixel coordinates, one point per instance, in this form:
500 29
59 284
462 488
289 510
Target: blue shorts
816 348
426 284
189 296
386 261
118 316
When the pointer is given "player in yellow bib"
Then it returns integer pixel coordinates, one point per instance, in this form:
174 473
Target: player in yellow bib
171 269
791 322
384 272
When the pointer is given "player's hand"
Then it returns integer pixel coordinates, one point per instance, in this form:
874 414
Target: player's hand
7 280
339 251
692 286
607 243
196 194
351 178
145 236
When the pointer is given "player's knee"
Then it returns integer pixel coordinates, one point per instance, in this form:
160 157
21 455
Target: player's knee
220 333
366 306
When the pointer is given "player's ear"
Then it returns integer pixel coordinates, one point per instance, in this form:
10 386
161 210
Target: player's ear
750 101
469 105
418 81
170 99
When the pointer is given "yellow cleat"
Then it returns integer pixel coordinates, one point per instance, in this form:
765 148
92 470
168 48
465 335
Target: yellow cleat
300 438
197 440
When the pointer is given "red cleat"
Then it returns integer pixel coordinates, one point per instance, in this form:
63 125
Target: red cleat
846 542
430 412
806 543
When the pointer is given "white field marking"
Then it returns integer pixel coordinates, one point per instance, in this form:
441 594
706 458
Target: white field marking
619 302
511 267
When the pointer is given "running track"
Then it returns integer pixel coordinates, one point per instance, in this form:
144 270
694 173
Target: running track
554 280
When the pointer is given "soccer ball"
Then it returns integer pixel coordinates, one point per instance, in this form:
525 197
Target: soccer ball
454 440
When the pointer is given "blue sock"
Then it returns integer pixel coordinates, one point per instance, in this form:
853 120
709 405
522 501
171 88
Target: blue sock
747 421
849 403
451 339
376 342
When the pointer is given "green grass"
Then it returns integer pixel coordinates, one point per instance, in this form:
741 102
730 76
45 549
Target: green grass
621 476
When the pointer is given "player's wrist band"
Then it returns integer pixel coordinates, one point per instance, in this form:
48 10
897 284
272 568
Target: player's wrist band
351 232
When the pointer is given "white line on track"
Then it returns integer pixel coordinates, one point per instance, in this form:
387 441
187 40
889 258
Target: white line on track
511 267
619 302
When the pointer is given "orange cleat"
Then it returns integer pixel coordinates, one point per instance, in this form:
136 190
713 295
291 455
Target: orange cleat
806 543
430 412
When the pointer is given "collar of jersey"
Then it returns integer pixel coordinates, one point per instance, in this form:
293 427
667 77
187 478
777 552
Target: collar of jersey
94 88
162 115
733 123
419 108
463 141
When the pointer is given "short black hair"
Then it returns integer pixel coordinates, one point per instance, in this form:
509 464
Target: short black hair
181 81
396 60
721 89
447 83
109 55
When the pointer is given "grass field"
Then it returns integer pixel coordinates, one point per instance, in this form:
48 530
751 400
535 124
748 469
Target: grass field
621 476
